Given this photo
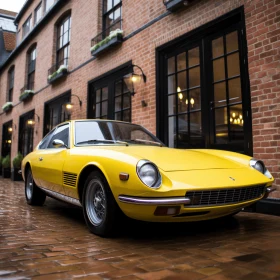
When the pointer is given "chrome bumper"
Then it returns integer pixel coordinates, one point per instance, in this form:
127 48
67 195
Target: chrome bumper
154 201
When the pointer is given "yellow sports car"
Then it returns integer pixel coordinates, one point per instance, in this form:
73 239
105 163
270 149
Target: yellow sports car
111 168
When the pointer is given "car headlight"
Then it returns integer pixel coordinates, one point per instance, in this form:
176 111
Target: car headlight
148 174
259 165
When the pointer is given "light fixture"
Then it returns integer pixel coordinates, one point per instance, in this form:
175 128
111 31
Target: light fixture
10 129
69 106
132 80
236 118
31 122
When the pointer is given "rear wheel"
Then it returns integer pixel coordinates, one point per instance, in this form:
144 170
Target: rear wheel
33 195
100 209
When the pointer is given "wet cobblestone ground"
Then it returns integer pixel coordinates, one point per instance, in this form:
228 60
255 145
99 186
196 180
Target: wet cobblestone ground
52 242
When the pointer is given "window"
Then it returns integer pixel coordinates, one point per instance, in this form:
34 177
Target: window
31 60
109 98
26 132
7 138
44 143
55 112
112 15
11 76
48 4
61 133
63 41
38 13
26 27
203 100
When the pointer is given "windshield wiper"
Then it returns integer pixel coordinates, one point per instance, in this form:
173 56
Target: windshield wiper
147 141
96 141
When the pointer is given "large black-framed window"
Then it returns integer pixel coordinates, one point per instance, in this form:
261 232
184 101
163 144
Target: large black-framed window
26 133
11 78
112 16
7 131
203 97
109 97
55 112
31 66
63 41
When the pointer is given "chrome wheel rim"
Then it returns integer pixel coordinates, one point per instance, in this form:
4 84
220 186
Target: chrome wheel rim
29 186
95 202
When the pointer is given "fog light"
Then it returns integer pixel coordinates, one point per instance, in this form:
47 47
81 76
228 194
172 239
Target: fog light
167 210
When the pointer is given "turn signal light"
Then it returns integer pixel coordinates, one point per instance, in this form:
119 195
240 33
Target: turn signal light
167 210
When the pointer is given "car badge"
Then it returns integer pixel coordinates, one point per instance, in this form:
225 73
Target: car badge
232 178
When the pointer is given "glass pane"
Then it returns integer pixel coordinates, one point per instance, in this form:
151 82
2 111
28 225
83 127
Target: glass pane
233 65
104 93
118 88
181 61
220 94
195 99
108 5
118 103
66 26
104 108
97 110
116 2
171 104
221 125
194 77
236 123
126 101
126 116
183 131
232 42
118 116
182 81
195 130
171 131
234 88
182 102
171 84
65 38
98 94
117 14
171 65
219 69
193 56
217 47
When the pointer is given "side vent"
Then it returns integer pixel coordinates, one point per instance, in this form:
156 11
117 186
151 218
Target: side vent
69 179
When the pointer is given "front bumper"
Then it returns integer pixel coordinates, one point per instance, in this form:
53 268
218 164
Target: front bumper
143 208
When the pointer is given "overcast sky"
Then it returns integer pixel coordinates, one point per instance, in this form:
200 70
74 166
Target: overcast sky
11 5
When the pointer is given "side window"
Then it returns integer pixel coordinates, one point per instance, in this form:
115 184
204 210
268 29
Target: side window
62 133
46 139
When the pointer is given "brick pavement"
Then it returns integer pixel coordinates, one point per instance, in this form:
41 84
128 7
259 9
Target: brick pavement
52 242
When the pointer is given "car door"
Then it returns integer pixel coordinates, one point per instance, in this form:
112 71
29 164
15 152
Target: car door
50 161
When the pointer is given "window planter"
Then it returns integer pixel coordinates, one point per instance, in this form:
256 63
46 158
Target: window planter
26 95
7 106
115 37
174 5
62 71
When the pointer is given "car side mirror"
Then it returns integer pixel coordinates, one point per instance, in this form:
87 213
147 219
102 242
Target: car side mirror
58 143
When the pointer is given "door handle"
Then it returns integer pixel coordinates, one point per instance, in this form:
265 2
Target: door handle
40 158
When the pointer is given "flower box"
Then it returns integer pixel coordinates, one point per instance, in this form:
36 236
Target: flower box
26 95
7 106
174 5
60 72
115 37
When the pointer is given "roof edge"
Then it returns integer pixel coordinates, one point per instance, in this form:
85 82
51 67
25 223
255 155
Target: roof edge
22 10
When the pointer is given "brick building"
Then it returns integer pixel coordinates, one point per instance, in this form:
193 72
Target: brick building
212 71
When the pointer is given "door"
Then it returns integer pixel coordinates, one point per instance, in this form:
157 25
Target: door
203 99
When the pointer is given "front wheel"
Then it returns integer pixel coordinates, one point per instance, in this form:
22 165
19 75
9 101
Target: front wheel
33 195
100 209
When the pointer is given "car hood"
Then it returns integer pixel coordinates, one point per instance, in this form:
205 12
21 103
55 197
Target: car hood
169 159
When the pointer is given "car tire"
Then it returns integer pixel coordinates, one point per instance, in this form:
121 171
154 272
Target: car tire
33 194
100 209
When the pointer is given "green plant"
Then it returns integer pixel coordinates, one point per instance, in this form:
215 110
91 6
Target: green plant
62 68
6 162
17 160
27 93
7 106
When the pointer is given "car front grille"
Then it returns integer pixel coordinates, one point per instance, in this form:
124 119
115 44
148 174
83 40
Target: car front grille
225 196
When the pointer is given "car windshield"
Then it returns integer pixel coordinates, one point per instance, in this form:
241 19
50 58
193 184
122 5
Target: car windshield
111 133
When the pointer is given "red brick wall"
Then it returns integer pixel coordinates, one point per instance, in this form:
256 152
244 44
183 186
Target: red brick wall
263 39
